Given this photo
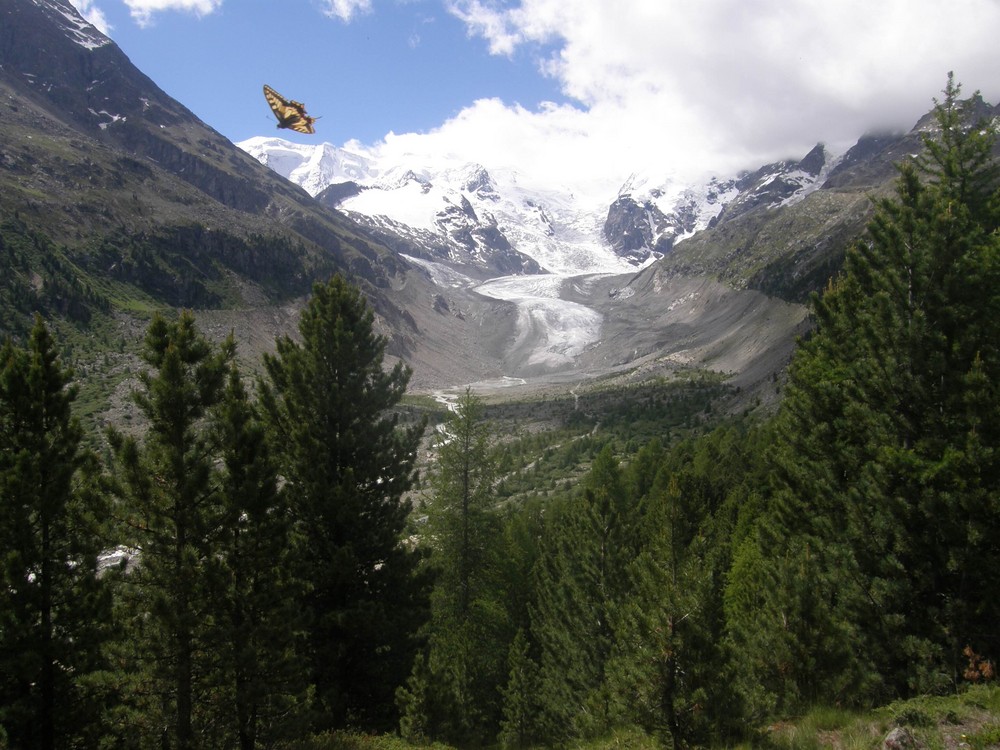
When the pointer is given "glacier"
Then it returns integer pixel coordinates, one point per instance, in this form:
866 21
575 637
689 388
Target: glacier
561 230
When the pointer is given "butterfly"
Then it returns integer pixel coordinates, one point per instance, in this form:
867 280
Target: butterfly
290 113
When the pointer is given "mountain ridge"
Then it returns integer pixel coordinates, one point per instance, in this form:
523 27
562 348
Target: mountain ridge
120 190
641 224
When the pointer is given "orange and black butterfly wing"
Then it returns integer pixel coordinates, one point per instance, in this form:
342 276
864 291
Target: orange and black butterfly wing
300 121
303 123
290 113
279 105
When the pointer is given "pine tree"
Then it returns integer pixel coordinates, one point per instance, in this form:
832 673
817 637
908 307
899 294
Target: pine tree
347 462
524 528
670 667
464 523
663 633
883 461
788 620
257 627
519 724
468 635
644 468
54 610
169 502
580 579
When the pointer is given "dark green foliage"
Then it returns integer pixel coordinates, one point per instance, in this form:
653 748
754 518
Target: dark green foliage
523 531
180 266
670 664
454 690
663 632
886 462
186 265
554 460
54 611
463 518
259 619
172 511
39 278
797 276
347 464
519 727
580 580
646 412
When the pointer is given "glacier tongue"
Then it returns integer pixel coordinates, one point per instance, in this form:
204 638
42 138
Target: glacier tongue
551 332
554 227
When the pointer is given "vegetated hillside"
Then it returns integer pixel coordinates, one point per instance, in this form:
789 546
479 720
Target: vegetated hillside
968 720
116 201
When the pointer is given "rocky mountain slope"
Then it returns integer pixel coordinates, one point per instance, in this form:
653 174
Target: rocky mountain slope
115 200
109 179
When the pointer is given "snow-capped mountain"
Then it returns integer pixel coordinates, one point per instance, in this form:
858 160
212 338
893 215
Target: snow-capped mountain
450 211
651 217
65 17
486 219
311 167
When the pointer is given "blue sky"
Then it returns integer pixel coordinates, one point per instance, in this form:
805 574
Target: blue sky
592 90
402 67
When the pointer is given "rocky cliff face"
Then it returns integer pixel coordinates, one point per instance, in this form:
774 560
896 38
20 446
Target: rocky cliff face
631 226
777 184
638 228
649 219
132 187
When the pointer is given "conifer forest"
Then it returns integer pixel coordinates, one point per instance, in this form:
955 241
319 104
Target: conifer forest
251 565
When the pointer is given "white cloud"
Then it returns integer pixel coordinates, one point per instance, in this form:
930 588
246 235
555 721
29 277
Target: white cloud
590 152
93 15
715 85
488 22
346 9
142 10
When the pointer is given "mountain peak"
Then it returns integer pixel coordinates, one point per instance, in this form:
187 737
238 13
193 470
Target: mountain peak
479 182
450 210
813 162
66 17
312 167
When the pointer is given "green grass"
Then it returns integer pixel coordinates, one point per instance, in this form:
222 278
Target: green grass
988 736
826 727
970 719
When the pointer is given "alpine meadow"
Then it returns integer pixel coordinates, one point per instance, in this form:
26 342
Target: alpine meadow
277 474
